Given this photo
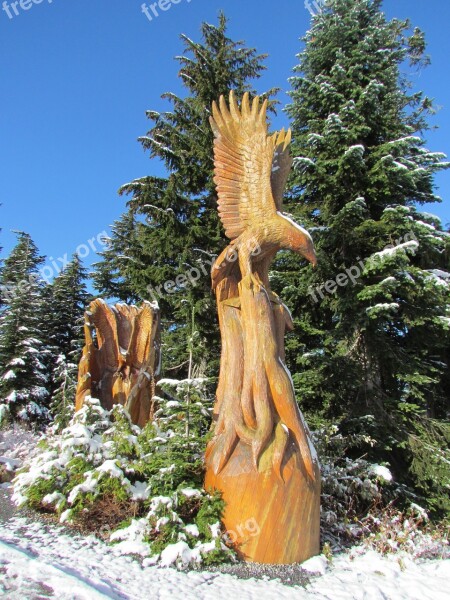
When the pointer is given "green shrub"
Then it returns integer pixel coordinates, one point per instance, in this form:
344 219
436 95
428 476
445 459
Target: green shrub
143 487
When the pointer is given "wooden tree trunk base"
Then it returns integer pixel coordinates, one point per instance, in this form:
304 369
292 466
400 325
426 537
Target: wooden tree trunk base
269 520
261 456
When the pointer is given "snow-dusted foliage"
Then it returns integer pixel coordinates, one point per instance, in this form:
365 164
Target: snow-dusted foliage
133 488
362 503
16 443
23 351
409 532
350 487
371 321
141 487
64 379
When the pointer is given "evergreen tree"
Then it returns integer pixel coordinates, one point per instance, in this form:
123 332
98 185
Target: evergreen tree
121 261
64 384
23 353
68 301
177 232
374 316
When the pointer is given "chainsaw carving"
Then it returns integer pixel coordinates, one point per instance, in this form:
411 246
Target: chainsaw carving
121 358
261 455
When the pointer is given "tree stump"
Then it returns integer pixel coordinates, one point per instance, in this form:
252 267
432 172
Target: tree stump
121 358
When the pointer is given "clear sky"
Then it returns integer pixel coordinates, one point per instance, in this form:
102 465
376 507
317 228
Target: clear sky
76 77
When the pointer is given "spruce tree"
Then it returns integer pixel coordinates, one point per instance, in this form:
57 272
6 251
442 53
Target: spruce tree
68 301
69 298
177 230
121 261
372 331
23 353
64 387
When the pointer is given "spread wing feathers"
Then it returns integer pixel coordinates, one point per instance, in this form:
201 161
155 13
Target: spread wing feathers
140 342
243 153
105 324
281 167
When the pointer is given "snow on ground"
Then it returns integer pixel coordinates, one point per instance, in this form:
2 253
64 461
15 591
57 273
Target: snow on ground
15 445
38 560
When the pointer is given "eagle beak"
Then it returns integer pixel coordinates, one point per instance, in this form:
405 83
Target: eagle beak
312 259
310 255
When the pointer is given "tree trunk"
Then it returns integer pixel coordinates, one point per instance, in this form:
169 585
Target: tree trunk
261 456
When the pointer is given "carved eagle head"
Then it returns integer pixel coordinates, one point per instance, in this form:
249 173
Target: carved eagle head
297 239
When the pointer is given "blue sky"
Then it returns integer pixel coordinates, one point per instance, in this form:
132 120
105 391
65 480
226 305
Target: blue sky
76 77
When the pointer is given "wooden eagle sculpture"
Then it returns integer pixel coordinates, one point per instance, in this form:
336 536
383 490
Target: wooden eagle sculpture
120 358
261 456
251 171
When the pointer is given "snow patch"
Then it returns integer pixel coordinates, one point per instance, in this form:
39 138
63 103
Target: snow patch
411 246
382 472
316 565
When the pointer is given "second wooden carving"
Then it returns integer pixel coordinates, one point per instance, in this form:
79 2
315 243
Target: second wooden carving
121 358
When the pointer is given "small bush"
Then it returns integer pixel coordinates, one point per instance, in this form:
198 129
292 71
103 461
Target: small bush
142 489
409 531
361 503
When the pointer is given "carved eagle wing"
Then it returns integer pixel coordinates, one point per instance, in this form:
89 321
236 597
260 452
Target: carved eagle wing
251 167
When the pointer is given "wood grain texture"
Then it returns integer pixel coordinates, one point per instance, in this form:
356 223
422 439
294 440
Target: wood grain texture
120 358
261 455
